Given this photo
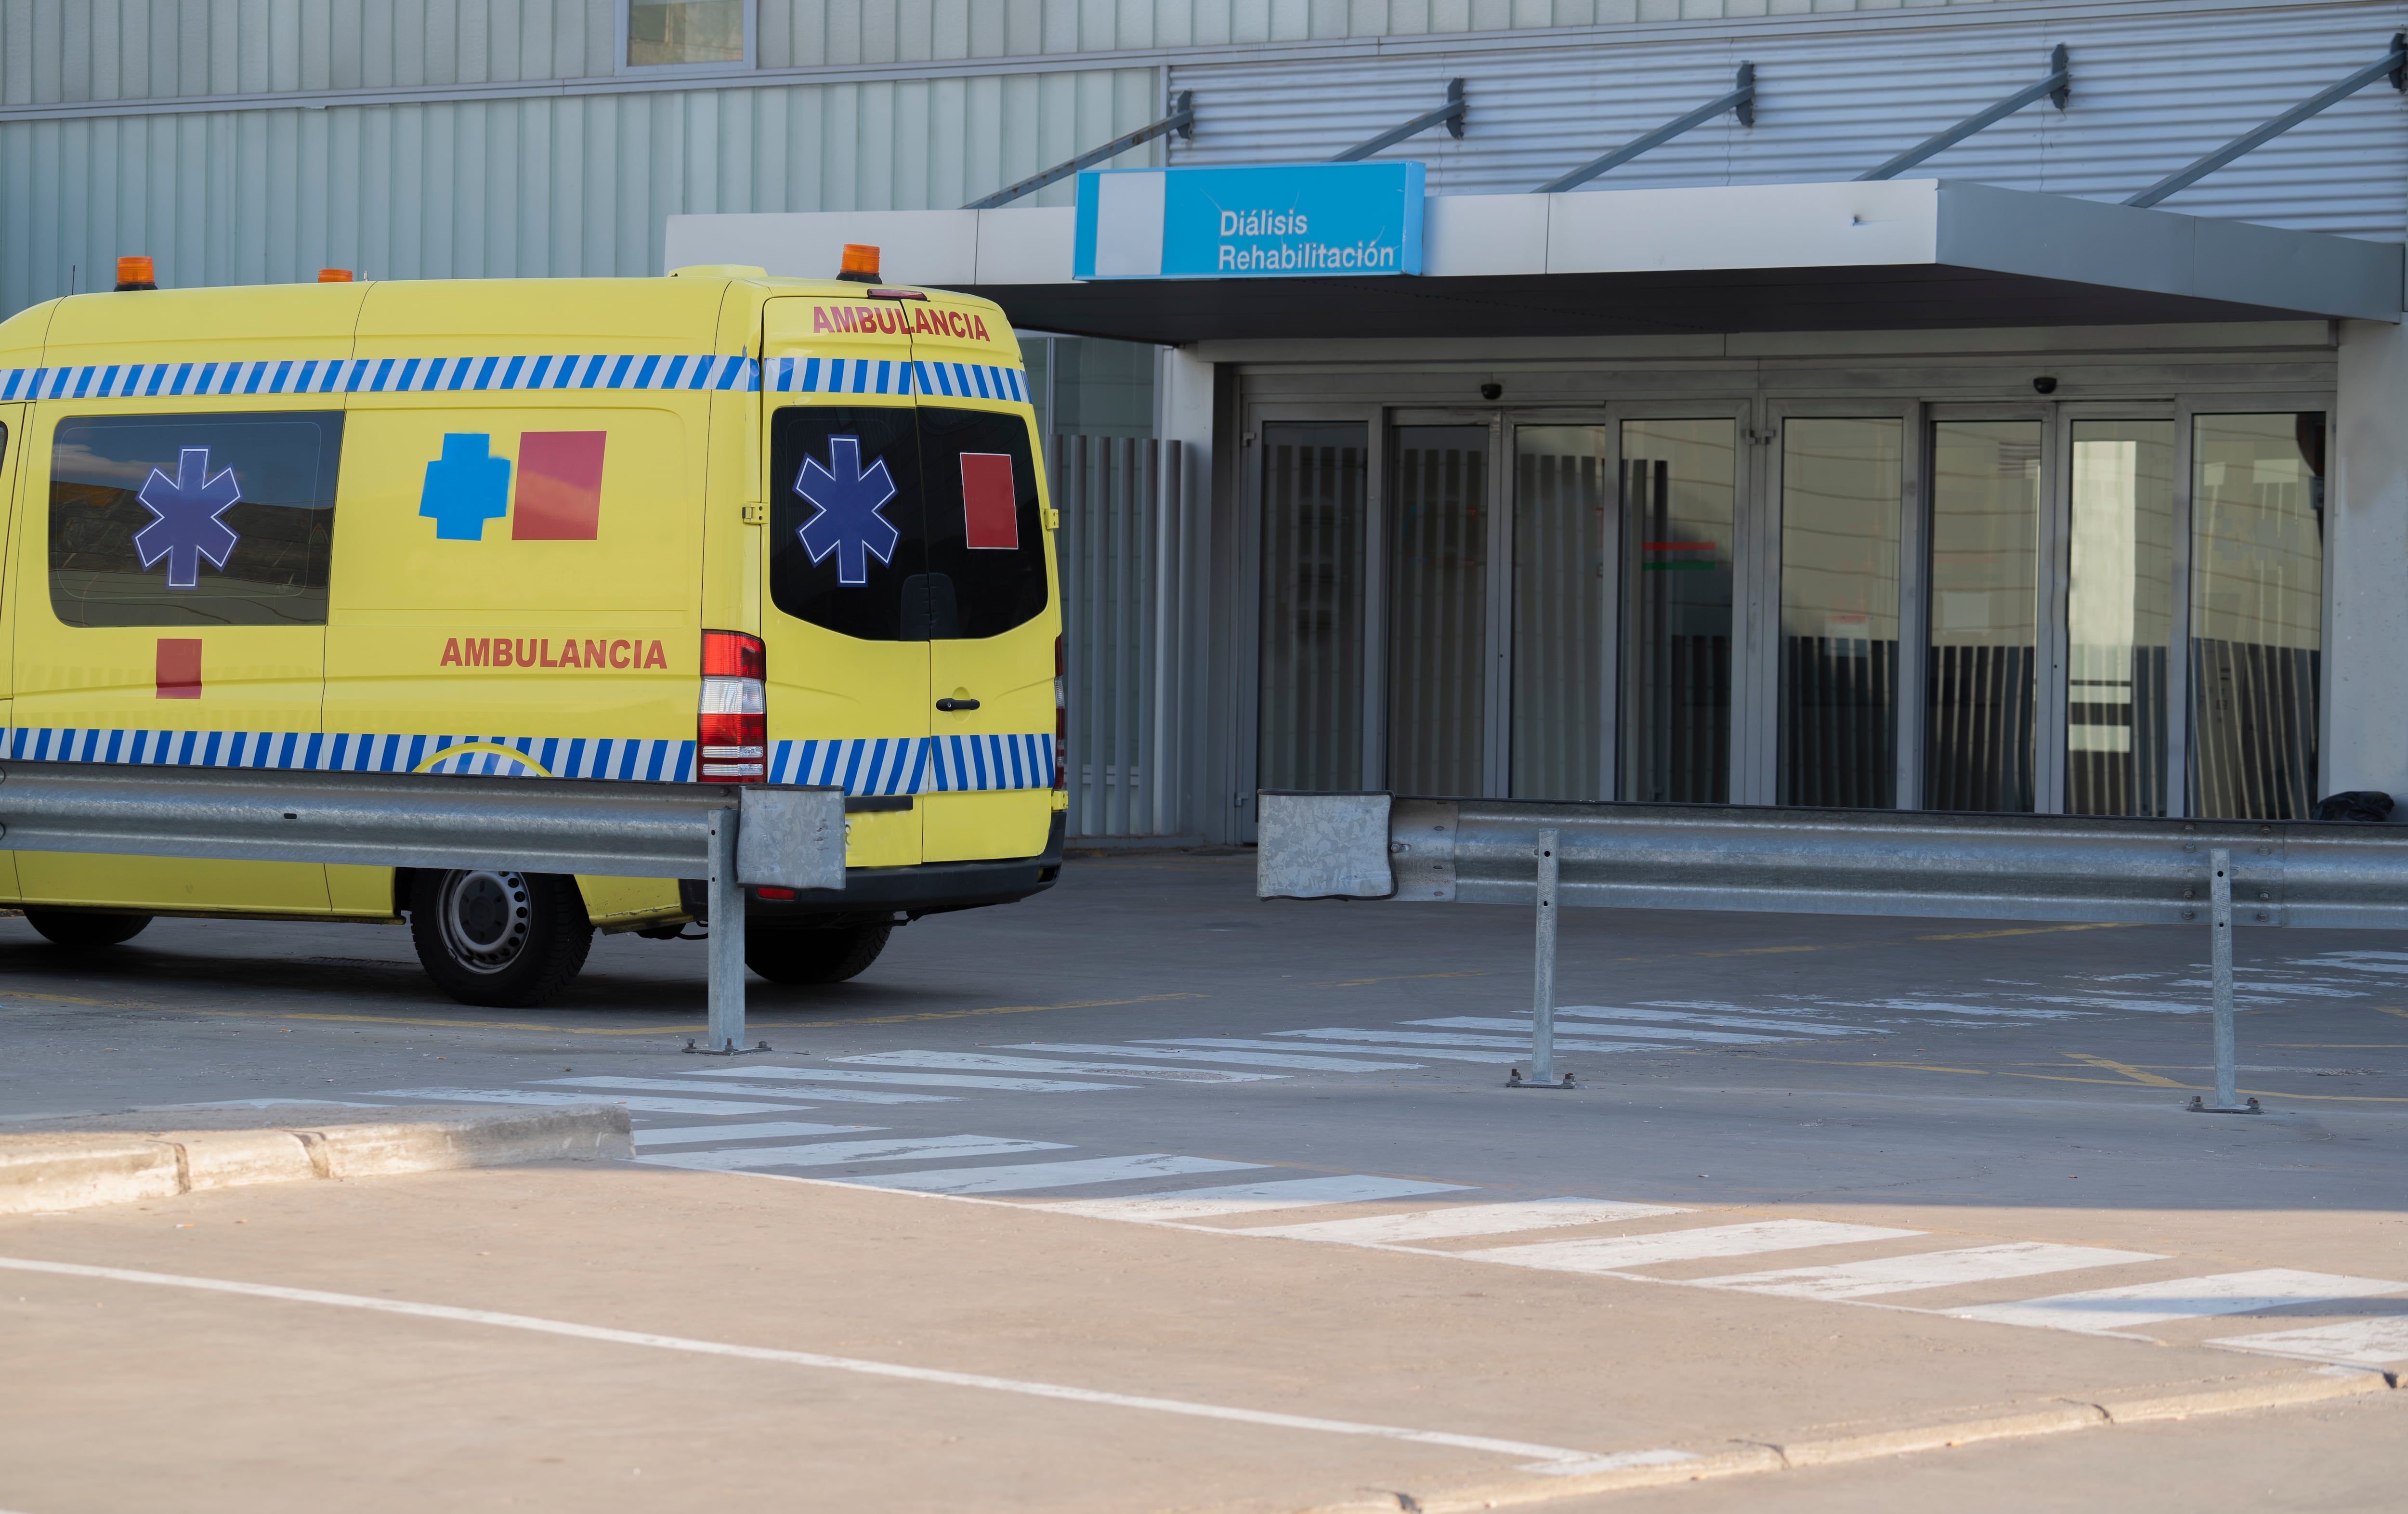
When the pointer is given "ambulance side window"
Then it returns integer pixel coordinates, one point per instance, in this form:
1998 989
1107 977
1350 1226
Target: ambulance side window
987 539
848 549
193 519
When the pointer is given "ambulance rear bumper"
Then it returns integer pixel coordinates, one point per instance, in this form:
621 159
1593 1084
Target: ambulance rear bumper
880 893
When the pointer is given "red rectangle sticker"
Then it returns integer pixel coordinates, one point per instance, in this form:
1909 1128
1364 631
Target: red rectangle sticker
990 506
559 486
179 670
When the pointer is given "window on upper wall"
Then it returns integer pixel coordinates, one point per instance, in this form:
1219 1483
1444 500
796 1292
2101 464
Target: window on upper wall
687 33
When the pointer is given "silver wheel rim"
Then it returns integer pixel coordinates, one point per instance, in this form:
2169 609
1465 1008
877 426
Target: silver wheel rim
486 918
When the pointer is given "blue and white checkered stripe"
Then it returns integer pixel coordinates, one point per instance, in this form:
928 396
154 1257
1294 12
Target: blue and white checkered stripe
379 375
652 761
989 761
895 375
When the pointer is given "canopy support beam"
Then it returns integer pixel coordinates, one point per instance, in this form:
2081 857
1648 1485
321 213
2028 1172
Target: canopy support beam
1741 99
1181 119
1451 114
2394 67
2058 86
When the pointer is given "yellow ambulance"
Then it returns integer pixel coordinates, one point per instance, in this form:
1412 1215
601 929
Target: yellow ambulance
712 528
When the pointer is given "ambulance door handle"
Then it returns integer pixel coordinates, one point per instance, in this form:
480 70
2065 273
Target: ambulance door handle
950 705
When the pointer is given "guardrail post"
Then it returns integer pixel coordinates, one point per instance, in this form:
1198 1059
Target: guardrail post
1542 1002
2219 913
726 937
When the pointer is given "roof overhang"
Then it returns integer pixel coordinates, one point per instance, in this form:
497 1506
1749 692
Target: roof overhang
1884 256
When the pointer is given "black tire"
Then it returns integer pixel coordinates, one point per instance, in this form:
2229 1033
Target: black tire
501 940
814 956
86 930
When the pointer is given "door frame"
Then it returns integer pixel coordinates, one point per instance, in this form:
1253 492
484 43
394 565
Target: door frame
1495 698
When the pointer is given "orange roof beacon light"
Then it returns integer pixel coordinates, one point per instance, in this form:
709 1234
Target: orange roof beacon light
334 276
860 264
134 272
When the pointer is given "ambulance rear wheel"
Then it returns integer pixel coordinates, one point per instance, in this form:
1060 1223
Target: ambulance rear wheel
813 956
80 930
501 940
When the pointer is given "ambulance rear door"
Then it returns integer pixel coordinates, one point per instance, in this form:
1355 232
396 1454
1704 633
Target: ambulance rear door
845 629
993 611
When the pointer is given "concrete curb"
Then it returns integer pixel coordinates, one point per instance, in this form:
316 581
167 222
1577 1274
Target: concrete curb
53 1171
1656 1469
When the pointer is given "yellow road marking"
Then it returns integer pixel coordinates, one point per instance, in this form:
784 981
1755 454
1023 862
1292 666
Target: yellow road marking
2030 930
2340 1046
2384 1009
2110 1082
1400 977
69 998
1890 941
2135 1074
755 1022
964 1014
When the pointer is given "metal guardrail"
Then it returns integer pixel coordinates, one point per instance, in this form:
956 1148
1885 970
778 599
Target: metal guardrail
733 835
2088 869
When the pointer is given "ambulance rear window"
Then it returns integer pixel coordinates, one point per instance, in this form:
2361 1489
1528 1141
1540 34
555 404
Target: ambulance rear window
193 519
891 523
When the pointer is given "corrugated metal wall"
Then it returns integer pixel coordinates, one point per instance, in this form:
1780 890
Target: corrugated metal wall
574 185
2150 94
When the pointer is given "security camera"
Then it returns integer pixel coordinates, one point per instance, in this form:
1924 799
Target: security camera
2044 385
1490 391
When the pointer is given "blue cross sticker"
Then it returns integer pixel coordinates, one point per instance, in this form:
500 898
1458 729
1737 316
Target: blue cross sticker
184 525
849 522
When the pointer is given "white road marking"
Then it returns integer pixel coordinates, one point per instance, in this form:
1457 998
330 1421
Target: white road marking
1616 1253
2105 1310
1444 1053
840 1075
1644 1032
533 1096
1035 1175
837 1154
1247 1198
666 1085
1793 1027
970 1060
1931 1269
1471 1219
1550 1457
1246 1059
696 1135
1433 1044
2359 1342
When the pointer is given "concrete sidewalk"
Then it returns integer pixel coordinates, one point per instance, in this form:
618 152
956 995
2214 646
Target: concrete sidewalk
127 1392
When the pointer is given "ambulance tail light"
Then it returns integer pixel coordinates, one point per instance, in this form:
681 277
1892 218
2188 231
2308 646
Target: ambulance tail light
733 724
1061 717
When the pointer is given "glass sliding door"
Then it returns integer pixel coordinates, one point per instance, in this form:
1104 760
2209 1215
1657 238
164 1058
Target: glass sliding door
1310 722
1438 610
1680 486
1840 499
2256 613
2119 616
1563 487
1980 676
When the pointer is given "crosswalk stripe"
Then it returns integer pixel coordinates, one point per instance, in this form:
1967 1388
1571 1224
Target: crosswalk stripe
1471 1219
825 1096
1618 1253
2360 1342
837 1074
1251 1059
1793 1027
971 1060
1428 1053
1036 1174
696 1135
1247 1198
1644 1032
1458 1046
633 1102
2108 1309
838 1153
1930 1269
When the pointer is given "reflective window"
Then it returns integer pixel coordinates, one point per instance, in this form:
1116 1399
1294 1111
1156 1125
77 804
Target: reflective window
2256 613
1679 486
1438 611
1563 482
684 32
1840 516
1978 742
193 519
1310 722
2119 615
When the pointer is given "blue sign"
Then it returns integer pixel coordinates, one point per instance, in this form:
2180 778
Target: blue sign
1280 220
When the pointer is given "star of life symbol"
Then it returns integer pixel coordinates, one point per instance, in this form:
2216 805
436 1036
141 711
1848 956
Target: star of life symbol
184 526
849 522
